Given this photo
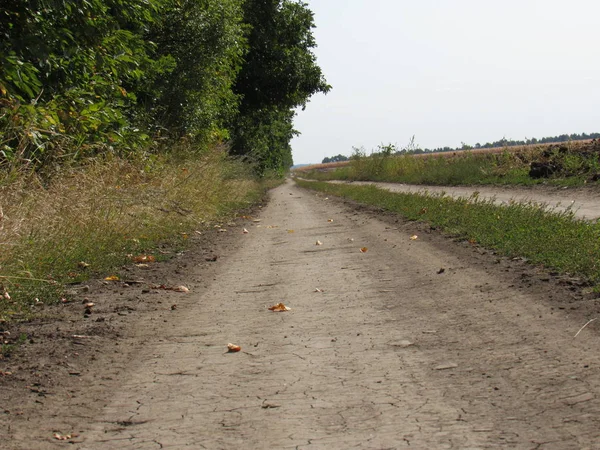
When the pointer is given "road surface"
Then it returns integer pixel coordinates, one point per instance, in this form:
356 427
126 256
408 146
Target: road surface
423 344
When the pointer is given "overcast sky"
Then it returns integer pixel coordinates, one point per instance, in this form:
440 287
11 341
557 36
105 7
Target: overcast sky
450 71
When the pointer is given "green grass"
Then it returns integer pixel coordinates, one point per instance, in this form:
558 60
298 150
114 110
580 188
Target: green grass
467 168
555 239
7 349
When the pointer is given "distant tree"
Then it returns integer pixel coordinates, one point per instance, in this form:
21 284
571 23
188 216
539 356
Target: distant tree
336 158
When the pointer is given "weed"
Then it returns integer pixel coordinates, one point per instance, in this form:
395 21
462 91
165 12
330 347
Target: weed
8 348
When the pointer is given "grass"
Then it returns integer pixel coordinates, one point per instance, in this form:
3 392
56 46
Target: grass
7 349
88 221
576 167
555 239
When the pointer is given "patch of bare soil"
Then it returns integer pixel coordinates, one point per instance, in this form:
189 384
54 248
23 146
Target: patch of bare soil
391 342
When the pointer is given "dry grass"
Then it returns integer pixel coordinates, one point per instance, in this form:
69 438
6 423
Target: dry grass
87 220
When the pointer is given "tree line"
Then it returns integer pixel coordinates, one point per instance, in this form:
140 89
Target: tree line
516 143
412 148
79 79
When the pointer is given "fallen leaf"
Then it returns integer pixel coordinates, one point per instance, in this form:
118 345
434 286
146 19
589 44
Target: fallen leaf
112 278
364 250
170 288
144 259
256 220
318 243
83 264
330 220
270 405
414 237
290 231
279 307
198 232
180 289
318 290
272 226
142 266
90 305
245 231
232 348
62 437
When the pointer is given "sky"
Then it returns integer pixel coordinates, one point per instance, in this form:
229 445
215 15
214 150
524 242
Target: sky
450 71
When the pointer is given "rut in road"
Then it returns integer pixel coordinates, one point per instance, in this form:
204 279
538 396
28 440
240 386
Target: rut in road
390 355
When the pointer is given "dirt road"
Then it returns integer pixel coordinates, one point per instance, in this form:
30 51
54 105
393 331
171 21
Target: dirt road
425 344
584 202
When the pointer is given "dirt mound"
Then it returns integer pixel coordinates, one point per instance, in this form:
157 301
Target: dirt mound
564 161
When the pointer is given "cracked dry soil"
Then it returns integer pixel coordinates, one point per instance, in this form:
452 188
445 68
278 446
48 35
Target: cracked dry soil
393 353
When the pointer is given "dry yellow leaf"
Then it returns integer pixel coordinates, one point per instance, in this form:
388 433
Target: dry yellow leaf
62 437
232 348
290 231
279 307
112 278
318 243
364 250
414 237
144 259
181 289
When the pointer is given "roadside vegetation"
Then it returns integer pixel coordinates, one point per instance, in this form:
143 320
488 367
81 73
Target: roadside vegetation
557 240
566 164
129 124
97 217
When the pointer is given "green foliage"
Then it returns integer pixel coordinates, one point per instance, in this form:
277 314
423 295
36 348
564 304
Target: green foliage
336 158
279 74
66 68
79 79
204 43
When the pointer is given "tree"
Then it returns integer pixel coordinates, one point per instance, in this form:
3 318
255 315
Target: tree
202 44
279 74
336 158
